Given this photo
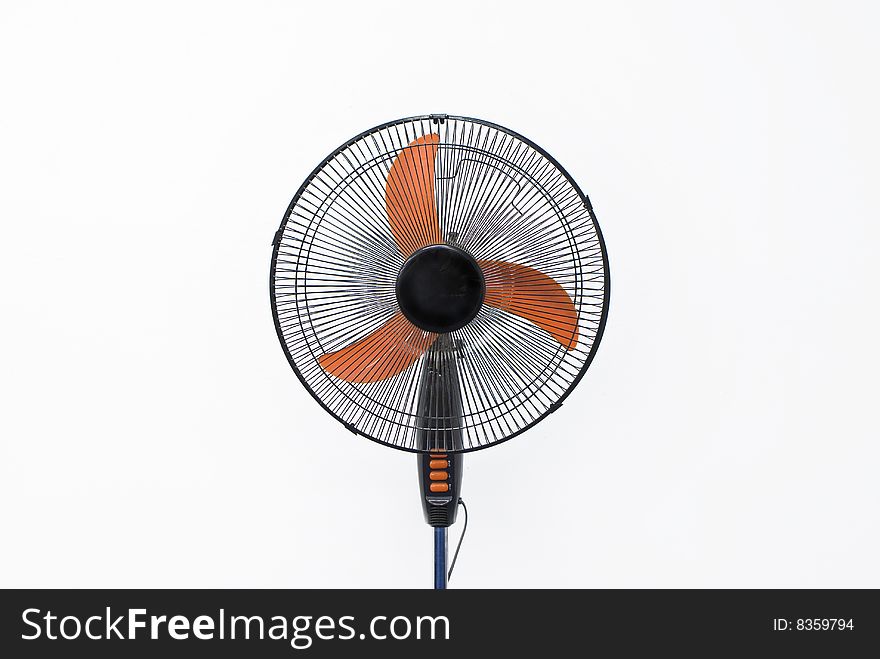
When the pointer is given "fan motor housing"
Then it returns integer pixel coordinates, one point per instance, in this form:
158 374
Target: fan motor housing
440 288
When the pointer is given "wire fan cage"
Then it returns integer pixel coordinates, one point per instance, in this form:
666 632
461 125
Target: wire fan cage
485 190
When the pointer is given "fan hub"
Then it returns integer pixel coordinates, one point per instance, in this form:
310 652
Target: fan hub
440 288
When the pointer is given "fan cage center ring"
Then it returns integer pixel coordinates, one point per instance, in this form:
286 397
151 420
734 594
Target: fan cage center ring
440 288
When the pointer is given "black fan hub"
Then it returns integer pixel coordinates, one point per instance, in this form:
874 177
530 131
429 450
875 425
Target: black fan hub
440 288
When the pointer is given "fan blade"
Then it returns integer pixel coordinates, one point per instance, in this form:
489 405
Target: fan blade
409 196
532 295
383 353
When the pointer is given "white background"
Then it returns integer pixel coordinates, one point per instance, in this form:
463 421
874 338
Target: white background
153 433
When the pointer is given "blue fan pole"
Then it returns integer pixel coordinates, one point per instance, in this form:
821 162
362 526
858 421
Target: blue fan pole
439 558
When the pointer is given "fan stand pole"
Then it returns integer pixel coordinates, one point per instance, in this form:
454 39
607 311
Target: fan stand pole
440 558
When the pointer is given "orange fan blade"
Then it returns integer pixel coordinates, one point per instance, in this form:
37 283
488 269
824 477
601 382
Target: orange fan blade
531 294
409 196
385 352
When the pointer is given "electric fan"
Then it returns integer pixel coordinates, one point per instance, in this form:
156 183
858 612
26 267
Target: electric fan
439 284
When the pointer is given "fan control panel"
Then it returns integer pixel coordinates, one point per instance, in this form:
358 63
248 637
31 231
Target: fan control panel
440 482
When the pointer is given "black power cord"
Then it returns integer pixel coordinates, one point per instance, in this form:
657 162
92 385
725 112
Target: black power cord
460 539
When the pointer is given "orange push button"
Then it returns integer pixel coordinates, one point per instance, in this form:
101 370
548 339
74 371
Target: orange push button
438 455
438 464
439 487
438 475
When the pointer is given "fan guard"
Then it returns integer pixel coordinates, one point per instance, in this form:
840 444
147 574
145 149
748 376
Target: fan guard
497 197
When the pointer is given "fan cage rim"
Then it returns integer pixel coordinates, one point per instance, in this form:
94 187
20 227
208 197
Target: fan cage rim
606 297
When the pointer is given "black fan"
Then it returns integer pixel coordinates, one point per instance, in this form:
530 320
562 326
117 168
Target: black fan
439 284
